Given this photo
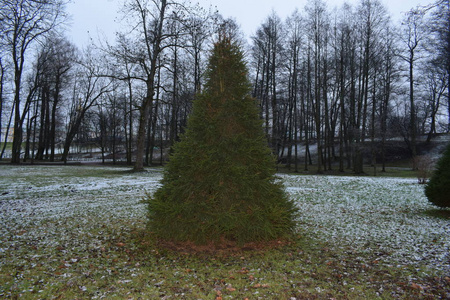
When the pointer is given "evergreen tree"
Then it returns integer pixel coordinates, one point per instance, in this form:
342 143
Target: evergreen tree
438 188
220 181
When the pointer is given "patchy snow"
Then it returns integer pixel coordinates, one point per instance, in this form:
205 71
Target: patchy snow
384 216
45 207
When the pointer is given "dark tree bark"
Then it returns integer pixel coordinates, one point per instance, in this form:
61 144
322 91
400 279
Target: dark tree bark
154 48
25 21
413 36
87 91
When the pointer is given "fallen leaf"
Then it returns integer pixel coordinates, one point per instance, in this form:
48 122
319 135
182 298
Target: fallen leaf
230 288
258 285
415 286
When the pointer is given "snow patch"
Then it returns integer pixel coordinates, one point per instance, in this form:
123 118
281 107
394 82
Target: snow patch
382 216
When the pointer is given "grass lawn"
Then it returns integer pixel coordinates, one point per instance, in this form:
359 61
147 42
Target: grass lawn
78 232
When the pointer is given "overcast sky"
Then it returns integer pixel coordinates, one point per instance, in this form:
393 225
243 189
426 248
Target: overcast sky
97 18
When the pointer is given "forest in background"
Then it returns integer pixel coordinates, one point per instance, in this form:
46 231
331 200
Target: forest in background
334 86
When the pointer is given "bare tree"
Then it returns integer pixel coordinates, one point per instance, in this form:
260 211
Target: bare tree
436 78
388 78
344 53
267 49
87 90
318 26
148 19
108 124
441 27
123 65
372 22
295 40
199 26
151 17
412 37
23 23
2 93
54 62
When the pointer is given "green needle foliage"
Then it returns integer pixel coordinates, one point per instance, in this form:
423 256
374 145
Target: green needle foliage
220 182
438 188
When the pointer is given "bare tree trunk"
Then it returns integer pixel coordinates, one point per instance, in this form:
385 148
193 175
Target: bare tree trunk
413 126
17 134
372 133
144 111
71 135
130 129
148 99
448 104
2 83
53 119
8 127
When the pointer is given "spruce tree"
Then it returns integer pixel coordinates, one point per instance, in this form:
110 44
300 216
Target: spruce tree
438 188
220 180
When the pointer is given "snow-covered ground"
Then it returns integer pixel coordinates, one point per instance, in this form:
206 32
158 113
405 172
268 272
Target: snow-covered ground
384 216
46 206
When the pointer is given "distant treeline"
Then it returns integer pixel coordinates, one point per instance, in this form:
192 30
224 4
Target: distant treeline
343 80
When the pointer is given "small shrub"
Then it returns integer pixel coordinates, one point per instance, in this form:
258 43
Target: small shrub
438 188
424 165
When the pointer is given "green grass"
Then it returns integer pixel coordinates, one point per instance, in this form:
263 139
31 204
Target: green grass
82 240
133 266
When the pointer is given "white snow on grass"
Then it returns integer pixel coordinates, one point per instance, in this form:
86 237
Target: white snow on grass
383 216
47 207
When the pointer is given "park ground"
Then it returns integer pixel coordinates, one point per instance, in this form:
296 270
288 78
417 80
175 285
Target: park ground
79 232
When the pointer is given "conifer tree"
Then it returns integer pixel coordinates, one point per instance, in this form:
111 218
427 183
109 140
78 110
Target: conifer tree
438 188
220 181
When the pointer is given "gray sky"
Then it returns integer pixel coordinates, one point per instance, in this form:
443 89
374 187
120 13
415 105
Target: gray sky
97 18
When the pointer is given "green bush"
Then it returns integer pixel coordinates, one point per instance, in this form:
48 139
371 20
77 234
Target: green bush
220 181
438 188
